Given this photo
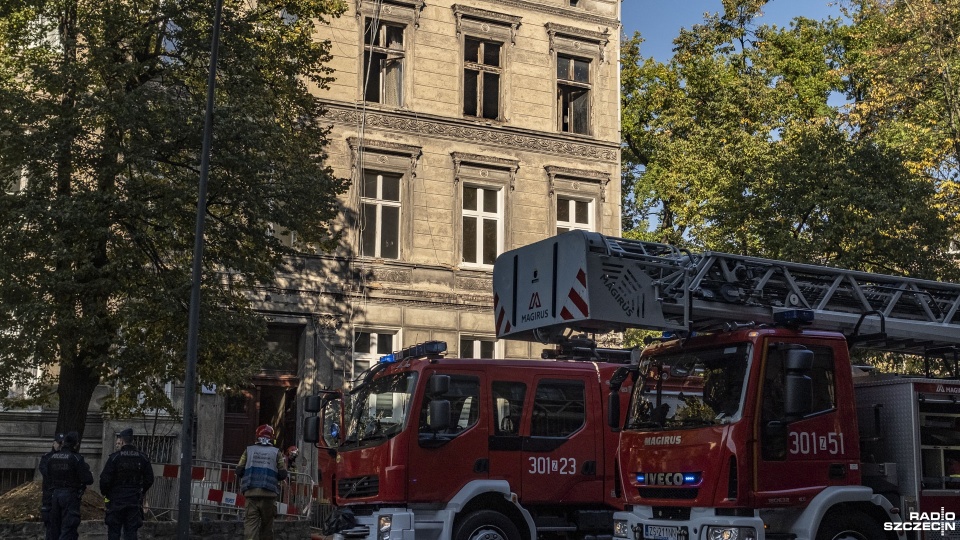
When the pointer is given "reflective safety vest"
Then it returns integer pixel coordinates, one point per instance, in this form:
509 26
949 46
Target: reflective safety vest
260 470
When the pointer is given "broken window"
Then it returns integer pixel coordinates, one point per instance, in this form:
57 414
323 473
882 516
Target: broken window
383 62
482 68
380 215
573 95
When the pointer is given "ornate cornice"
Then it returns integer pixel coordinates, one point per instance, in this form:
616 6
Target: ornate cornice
357 147
513 165
386 146
575 14
420 126
600 177
415 5
460 11
601 39
579 33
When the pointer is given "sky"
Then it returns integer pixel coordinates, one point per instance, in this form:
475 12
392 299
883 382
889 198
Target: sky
660 21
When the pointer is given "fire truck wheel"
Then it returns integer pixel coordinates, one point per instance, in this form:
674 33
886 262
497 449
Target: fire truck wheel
849 526
486 525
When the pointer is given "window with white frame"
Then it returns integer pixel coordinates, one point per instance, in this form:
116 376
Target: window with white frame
382 186
380 215
383 59
482 71
573 94
482 224
477 347
577 194
368 346
574 214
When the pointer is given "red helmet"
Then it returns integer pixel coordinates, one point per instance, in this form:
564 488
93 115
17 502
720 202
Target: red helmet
265 432
293 451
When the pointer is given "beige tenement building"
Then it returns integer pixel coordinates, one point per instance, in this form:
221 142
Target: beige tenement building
468 128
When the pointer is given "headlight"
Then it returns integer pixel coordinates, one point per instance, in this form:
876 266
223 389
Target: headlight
620 528
731 533
383 526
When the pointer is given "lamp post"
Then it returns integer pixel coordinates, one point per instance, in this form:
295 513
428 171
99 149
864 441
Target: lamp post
190 379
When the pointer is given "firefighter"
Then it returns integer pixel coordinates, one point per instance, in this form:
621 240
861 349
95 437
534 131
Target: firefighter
124 481
46 497
291 456
260 470
68 475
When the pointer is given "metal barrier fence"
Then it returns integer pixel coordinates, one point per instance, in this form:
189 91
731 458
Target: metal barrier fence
215 493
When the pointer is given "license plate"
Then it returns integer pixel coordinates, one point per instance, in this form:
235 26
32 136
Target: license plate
659 532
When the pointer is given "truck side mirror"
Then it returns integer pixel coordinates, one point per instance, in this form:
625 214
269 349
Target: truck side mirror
438 385
311 429
613 410
798 386
313 404
440 413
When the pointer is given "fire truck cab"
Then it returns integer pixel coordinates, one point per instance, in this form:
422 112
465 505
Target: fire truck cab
770 435
429 447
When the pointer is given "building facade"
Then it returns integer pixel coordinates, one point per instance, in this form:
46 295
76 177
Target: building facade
467 128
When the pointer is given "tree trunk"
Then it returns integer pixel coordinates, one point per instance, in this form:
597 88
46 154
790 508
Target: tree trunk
75 389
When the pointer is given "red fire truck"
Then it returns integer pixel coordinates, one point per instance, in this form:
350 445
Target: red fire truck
472 449
782 437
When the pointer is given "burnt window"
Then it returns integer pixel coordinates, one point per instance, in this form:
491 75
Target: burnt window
383 58
482 70
573 94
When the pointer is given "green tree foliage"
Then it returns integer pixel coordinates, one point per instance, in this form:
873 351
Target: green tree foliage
101 115
904 72
733 146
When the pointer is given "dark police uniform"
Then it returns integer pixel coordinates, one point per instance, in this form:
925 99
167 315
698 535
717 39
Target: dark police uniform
125 479
46 498
68 475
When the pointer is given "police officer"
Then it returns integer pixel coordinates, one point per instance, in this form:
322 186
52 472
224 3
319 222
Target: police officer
261 468
68 476
125 479
46 499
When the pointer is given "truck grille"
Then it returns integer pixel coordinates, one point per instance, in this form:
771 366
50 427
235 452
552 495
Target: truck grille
668 493
361 486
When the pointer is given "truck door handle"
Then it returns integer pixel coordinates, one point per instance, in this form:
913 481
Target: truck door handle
481 465
589 468
837 470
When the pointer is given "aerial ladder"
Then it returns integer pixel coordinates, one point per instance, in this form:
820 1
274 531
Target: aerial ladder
588 282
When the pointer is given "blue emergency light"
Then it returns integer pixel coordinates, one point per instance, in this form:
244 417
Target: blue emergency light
428 348
793 317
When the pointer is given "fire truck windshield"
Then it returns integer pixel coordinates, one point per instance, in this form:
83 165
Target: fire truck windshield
380 408
690 388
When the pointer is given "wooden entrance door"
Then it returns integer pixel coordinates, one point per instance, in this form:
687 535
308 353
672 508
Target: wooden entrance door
239 423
